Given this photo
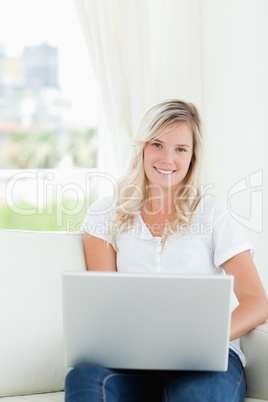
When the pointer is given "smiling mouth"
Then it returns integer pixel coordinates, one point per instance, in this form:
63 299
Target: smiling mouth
165 172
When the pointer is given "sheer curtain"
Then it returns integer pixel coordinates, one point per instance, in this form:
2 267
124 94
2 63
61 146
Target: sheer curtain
135 48
212 53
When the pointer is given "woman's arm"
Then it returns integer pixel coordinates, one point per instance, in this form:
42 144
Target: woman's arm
253 303
100 255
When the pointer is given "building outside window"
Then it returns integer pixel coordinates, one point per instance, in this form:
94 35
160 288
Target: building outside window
48 118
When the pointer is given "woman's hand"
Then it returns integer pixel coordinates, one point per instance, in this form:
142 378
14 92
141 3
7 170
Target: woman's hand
253 303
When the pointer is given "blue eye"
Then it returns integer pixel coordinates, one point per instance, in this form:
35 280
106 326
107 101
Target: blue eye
181 150
156 144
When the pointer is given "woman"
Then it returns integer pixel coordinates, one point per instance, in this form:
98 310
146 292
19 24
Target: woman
160 222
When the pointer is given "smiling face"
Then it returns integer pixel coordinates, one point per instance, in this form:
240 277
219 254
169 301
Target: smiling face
167 157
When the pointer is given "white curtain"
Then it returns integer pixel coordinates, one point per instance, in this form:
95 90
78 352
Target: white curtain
213 53
135 48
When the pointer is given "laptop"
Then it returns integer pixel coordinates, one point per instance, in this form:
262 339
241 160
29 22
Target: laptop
152 322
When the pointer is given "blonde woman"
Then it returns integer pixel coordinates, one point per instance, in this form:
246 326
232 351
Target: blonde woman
160 222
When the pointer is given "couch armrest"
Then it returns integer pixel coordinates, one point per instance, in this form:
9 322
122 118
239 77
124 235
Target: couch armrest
255 346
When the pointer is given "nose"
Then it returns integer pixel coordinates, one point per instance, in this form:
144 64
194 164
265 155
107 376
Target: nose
167 157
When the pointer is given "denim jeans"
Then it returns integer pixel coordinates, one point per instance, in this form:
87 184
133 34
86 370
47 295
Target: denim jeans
99 384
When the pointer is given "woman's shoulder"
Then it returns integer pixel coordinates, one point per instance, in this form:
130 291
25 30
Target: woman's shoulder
102 206
212 208
212 201
98 216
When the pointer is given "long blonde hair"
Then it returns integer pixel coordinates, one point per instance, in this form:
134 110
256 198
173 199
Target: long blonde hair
132 187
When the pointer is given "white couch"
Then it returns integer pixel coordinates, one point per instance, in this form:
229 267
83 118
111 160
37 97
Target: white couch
31 348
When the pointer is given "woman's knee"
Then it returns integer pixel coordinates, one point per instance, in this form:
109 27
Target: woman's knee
93 383
82 374
207 386
83 381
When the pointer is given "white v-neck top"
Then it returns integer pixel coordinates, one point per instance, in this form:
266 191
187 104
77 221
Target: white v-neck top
213 238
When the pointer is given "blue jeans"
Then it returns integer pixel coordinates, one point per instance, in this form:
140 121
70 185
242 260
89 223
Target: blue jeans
98 384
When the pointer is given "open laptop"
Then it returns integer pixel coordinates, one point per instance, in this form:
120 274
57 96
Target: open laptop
155 322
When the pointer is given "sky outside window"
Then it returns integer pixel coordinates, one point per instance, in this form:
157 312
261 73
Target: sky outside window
32 22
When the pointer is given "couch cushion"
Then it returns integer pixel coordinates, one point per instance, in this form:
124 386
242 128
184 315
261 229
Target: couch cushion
31 338
50 397
59 397
255 347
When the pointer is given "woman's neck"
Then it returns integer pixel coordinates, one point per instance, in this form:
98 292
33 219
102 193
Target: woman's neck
161 203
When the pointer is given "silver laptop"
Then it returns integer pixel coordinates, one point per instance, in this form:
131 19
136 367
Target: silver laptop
154 322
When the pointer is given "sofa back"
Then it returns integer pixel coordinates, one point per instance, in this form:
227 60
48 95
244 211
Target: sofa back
31 336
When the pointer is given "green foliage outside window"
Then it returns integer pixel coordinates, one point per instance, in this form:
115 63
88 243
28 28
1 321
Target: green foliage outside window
54 217
45 150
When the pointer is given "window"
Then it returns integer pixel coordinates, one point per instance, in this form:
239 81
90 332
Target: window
48 117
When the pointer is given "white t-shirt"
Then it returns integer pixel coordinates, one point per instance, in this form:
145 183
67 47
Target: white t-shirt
213 238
